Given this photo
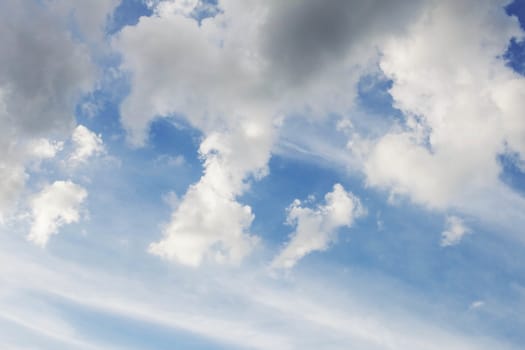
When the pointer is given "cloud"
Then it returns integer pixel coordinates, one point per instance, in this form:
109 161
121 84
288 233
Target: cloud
208 222
454 232
316 228
56 205
43 72
86 144
303 41
460 103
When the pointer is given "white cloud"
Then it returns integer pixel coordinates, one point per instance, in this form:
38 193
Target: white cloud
167 7
86 144
208 222
56 205
316 228
460 101
454 232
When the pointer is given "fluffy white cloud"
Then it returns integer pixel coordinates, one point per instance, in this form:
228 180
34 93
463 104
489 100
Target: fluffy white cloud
454 232
86 144
209 223
460 101
56 205
317 228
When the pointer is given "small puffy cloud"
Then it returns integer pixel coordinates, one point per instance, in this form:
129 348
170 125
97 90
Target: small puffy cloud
316 228
86 144
476 305
454 231
56 205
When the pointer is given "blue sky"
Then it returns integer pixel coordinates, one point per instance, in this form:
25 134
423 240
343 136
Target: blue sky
186 174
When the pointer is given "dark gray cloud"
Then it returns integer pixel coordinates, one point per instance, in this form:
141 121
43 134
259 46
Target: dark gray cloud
42 69
303 38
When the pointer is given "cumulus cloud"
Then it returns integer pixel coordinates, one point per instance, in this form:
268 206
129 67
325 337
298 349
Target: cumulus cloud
316 228
455 231
56 205
86 144
460 101
208 223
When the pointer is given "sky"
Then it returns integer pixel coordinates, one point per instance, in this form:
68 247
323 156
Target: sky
224 174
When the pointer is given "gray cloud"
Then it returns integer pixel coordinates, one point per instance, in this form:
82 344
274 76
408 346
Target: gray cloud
42 70
304 38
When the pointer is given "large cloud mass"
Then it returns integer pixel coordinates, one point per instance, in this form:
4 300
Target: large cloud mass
235 76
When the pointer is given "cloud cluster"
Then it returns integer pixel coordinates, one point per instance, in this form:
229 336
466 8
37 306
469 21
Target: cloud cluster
43 72
46 65
235 76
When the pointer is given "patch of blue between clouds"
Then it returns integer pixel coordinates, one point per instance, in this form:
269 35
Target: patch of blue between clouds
206 9
374 96
127 13
515 54
512 173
